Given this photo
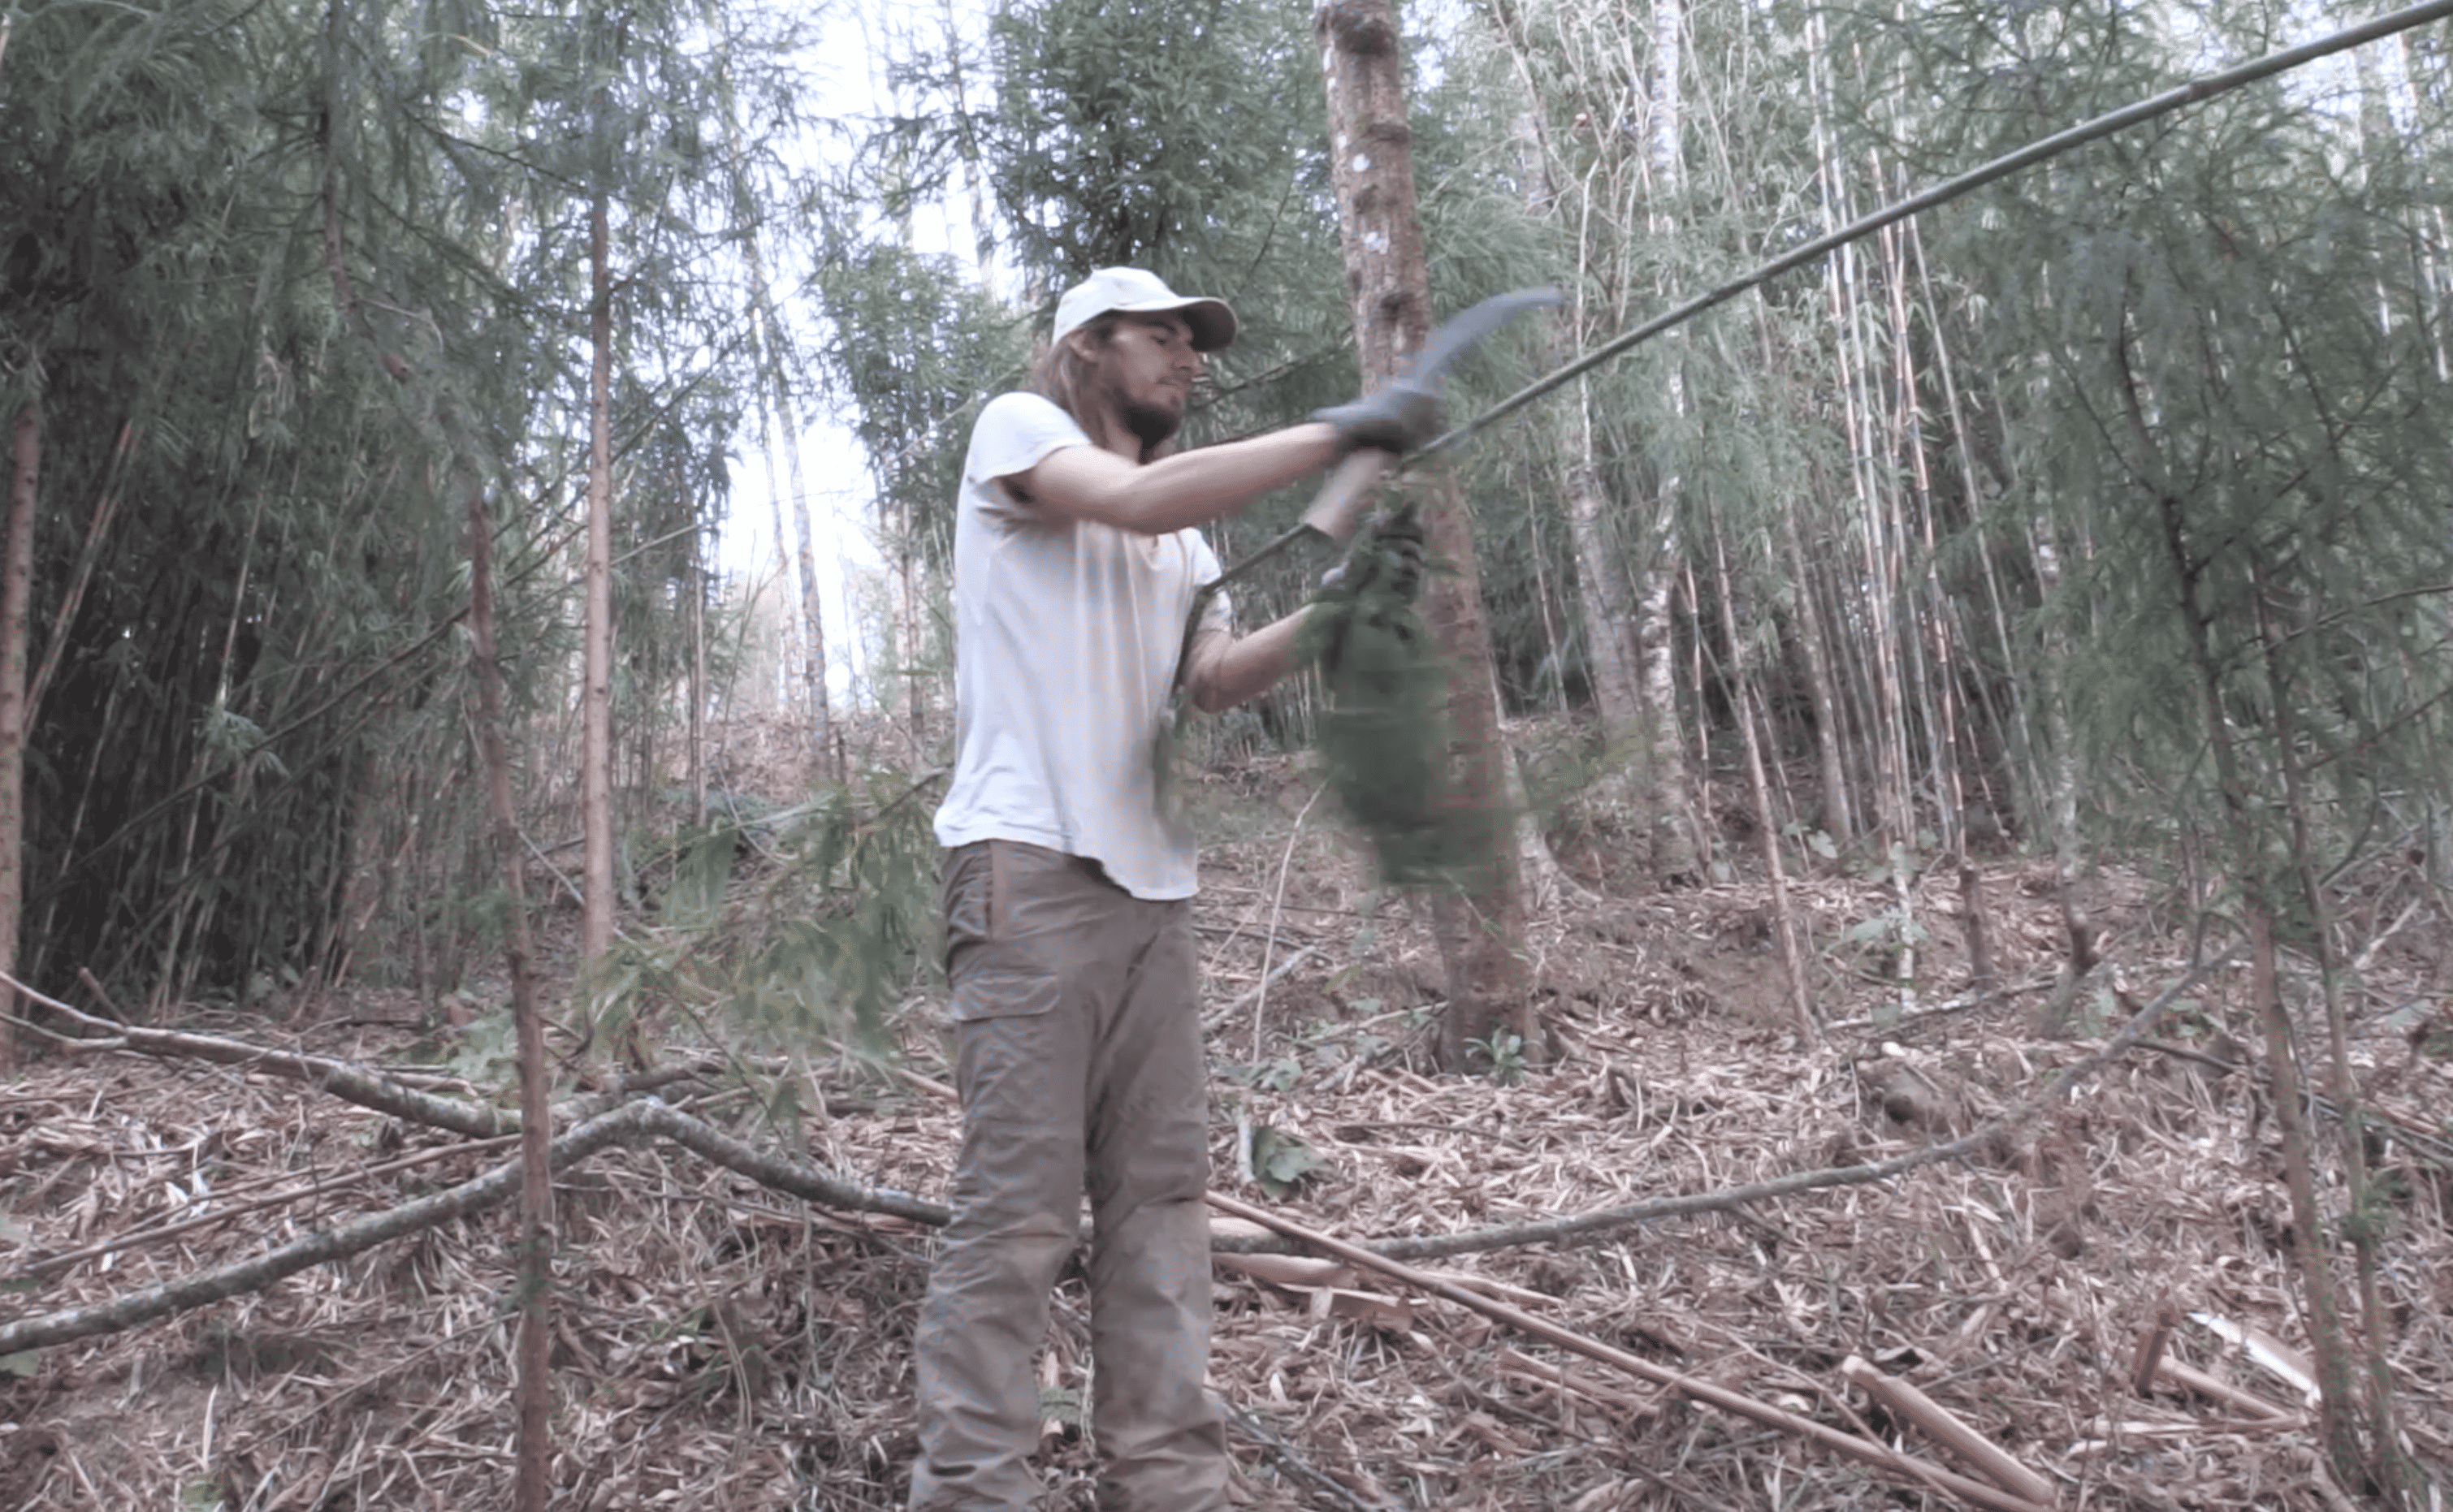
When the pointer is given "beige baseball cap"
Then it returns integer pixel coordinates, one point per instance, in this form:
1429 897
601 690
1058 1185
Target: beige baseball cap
1132 292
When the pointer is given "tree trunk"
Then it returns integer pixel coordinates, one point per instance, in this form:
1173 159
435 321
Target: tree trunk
1601 590
2389 1464
2339 1408
813 619
766 349
1678 843
17 605
533 1347
1792 960
1671 789
698 678
1831 775
596 695
1388 284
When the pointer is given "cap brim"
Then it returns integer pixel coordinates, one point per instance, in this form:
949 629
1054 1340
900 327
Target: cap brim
1212 322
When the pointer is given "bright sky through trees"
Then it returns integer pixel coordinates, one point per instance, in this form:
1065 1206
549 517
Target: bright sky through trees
847 65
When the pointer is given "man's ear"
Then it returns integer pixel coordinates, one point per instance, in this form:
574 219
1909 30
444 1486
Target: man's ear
1081 343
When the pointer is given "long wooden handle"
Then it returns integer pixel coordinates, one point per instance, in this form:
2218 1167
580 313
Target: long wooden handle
1338 512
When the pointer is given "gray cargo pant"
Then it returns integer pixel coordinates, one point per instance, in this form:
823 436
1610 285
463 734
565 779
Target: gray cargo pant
1078 1053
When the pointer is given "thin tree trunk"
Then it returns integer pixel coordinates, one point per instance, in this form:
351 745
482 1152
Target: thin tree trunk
1673 793
533 1346
2389 1466
698 678
1831 775
813 621
2339 1402
1602 589
910 621
17 605
766 349
1792 960
596 694
1388 284
1677 853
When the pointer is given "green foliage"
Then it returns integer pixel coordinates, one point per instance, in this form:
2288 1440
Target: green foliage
289 278
1086 134
2222 384
915 351
806 927
1281 1162
1383 737
1504 1053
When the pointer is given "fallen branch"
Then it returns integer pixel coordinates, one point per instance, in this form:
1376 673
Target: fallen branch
1864 1451
473 1196
1947 1429
800 1179
380 1093
368 1090
645 1118
138 1239
2214 1389
784 1174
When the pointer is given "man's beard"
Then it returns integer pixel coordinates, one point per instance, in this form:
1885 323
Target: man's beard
1152 424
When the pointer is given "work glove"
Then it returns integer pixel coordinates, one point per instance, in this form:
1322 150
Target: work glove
1398 416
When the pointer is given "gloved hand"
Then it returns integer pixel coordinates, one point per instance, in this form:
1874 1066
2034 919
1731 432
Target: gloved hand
1397 416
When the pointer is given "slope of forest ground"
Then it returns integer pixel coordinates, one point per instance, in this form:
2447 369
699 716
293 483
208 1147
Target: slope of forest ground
721 1345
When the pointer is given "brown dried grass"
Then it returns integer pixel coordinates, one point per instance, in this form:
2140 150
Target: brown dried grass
722 1347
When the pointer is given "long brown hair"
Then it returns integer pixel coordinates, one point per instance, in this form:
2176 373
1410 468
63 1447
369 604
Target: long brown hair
1079 385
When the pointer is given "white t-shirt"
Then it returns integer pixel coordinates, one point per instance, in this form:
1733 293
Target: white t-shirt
1065 639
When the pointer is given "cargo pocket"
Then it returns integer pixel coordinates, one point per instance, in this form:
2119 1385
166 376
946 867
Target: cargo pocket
993 972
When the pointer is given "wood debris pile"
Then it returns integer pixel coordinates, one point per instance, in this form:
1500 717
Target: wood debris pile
723 1346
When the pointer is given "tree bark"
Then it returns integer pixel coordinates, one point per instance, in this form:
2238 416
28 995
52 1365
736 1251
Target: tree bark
17 605
1388 285
596 695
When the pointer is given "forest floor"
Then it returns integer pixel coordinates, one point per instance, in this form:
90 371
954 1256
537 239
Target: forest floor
722 1346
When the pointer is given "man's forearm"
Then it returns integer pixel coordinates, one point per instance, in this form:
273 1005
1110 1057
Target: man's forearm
1224 669
1191 487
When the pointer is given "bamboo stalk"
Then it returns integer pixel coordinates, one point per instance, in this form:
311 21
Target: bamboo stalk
16 601
1947 1427
596 692
1792 960
534 1389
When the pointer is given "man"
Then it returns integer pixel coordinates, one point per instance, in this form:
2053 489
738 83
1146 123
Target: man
1068 931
